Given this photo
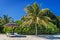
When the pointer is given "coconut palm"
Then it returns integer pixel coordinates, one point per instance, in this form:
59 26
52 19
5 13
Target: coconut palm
7 19
0 19
1 25
35 16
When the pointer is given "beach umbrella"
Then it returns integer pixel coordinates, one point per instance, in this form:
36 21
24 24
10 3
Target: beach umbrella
12 25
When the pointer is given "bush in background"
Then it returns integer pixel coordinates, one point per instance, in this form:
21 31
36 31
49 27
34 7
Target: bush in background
30 30
25 30
7 29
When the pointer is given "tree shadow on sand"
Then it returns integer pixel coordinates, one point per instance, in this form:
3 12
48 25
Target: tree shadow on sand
51 37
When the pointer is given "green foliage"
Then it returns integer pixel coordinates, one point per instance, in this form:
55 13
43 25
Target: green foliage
58 17
1 29
3 20
25 30
19 22
50 29
7 29
1 25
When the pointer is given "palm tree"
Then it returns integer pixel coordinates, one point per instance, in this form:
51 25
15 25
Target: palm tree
10 19
35 15
1 25
0 19
7 19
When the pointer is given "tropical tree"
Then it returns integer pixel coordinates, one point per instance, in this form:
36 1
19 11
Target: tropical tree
35 16
1 25
19 22
7 19
58 22
0 19
53 17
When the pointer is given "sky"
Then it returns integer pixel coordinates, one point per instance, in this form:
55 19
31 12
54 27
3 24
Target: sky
15 8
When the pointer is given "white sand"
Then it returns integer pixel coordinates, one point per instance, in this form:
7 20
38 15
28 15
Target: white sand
28 37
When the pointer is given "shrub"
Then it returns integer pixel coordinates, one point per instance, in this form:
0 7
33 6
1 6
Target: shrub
25 30
50 29
7 29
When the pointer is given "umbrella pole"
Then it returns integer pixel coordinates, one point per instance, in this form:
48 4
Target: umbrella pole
12 30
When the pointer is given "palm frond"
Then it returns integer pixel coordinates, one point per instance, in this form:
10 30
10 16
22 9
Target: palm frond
35 9
29 9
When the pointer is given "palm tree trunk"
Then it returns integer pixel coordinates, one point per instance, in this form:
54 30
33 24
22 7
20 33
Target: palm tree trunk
36 28
36 25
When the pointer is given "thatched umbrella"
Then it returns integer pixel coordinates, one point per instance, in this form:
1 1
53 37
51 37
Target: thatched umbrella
13 25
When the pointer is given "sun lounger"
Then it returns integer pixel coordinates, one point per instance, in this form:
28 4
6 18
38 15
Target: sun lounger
15 35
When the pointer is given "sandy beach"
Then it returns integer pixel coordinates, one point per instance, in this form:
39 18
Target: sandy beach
28 37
